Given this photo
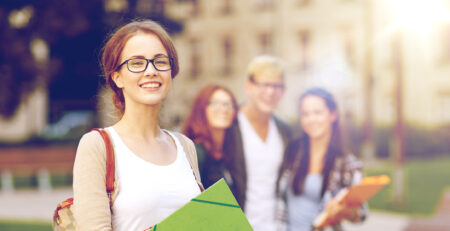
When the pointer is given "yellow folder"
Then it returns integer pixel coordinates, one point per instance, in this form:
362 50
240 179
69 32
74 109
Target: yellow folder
214 209
355 194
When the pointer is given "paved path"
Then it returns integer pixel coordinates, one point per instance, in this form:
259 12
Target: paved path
31 204
439 222
36 205
377 221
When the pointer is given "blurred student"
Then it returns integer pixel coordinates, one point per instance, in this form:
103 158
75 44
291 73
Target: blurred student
213 112
317 166
153 173
257 143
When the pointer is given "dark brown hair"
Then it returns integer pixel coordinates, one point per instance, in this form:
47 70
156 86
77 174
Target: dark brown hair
114 47
197 126
334 148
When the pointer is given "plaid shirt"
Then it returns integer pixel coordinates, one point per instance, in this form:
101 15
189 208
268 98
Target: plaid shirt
348 170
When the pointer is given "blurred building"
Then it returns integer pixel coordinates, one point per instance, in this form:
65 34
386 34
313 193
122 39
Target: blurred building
347 46
317 40
336 44
420 52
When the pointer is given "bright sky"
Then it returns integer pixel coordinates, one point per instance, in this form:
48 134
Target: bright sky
419 15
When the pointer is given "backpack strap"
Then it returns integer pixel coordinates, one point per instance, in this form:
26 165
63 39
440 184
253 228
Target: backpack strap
110 176
191 155
110 163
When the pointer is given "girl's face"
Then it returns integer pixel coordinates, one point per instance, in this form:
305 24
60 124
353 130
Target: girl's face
220 111
151 86
315 117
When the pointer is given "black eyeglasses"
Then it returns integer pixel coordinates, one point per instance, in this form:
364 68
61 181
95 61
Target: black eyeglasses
275 86
137 65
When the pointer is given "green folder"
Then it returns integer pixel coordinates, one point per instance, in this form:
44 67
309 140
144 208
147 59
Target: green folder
214 209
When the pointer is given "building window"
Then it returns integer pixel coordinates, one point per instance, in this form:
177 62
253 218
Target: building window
265 42
227 54
304 37
195 10
226 7
264 4
195 59
349 47
303 3
446 44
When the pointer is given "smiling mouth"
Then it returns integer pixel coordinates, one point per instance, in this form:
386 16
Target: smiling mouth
150 85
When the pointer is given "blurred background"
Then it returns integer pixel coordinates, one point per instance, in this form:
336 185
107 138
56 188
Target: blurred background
386 61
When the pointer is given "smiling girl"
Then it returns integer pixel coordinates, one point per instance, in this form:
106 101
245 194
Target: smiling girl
213 113
153 170
317 166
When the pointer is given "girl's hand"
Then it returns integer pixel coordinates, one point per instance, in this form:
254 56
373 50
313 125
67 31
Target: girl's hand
339 211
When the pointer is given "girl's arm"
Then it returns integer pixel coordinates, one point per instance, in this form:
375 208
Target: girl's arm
91 203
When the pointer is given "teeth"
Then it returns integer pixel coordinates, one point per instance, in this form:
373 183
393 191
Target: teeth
150 85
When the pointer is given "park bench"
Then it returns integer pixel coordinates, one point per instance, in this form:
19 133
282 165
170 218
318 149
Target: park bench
36 161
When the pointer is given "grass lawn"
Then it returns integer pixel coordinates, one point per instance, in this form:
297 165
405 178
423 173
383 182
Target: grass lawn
425 182
24 226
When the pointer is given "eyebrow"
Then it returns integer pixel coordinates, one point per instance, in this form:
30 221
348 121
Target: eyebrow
160 55
143 57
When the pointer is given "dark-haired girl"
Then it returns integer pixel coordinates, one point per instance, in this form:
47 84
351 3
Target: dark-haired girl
317 166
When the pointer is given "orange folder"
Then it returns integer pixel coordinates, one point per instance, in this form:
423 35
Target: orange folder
355 194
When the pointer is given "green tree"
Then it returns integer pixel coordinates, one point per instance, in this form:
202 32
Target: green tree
49 20
74 31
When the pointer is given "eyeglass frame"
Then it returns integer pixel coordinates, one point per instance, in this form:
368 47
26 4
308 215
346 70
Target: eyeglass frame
216 104
275 86
146 65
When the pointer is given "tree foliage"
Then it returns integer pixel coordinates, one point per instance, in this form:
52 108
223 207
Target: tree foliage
51 20
74 31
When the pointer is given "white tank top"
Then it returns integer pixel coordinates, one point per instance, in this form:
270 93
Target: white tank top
148 193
